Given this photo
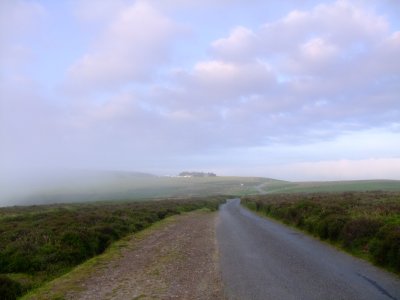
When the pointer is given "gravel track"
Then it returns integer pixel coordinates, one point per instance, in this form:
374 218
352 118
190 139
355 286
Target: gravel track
177 261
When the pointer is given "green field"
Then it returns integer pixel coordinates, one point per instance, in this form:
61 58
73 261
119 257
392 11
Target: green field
366 224
279 186
136 188
122 186
41 242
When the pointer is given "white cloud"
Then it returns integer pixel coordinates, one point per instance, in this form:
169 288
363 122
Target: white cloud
339 23
229 81
22 109
93 10
18 20
332 54
132 47
308 77
18 17
30 126
239 45
289 81
383 168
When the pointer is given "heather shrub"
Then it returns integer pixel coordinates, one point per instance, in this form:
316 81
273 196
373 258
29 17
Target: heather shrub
46 241
385 248
366 223
358 232
331 226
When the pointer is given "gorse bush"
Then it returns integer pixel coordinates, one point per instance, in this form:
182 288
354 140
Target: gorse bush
46 241
364 223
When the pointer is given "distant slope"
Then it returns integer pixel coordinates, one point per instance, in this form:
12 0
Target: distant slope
330 186
124 186
85 186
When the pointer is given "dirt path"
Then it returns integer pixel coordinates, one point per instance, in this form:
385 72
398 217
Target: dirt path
177 261
260 189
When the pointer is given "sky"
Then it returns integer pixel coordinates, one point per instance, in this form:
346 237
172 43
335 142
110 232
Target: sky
295 90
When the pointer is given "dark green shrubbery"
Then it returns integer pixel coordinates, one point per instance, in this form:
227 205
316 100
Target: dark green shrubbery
366 223
385 247
331 226
9 289
46 241
359 231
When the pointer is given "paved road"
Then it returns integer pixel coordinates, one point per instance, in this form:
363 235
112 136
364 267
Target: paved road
261 259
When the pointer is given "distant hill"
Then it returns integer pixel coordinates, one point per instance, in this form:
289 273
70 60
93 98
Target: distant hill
196 174
110 185
63 185
330 186
121 174
83 186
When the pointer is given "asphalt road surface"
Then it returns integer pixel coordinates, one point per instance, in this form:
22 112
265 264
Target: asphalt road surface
262 259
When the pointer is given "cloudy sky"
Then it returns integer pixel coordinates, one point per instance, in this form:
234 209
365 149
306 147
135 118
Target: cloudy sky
297 90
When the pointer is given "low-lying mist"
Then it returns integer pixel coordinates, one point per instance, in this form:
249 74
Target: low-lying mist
53 186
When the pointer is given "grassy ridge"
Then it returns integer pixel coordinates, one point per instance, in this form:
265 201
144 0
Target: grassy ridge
139 188
278 186
127 186
366 224
39 243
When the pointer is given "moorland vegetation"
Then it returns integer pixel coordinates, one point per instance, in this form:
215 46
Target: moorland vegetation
39 243
366 224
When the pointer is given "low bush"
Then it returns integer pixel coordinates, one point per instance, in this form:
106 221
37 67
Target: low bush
331 226
47 241
364 223
385 247
9 289
358 232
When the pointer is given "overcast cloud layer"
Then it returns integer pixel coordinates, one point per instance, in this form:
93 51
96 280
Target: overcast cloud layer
299 90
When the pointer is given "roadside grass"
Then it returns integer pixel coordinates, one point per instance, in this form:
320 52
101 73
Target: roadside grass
365 224
71 281
40 243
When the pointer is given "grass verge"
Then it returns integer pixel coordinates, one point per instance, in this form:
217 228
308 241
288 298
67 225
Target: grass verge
71 281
